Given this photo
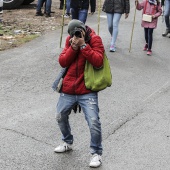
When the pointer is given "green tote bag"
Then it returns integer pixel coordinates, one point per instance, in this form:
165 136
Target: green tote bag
98 79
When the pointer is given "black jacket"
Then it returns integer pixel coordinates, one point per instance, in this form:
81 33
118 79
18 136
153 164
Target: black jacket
79 4
116 6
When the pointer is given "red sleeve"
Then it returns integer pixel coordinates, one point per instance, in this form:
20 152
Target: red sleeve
94 51
68 55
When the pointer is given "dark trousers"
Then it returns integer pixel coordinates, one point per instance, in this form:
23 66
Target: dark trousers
93 5
149 37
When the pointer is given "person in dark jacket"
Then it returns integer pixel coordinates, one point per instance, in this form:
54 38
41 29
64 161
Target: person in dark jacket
78 49
167 16
114 10
79 9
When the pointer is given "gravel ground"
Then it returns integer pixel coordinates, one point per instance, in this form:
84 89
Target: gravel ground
21 25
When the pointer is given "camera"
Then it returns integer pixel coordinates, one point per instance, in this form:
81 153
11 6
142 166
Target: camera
77 32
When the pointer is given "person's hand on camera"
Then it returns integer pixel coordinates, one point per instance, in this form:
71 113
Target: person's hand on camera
77 42
73 42
81 41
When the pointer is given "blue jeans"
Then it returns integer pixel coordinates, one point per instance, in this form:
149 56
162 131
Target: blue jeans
89 105
68 6
80 14
113 22
47 6
167 14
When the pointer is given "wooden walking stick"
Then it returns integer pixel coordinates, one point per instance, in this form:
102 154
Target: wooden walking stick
64 8
99 11
133 27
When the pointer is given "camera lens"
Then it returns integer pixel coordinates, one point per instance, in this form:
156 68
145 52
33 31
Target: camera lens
77 33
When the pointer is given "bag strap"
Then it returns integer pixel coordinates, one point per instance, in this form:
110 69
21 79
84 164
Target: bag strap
152 8
145 6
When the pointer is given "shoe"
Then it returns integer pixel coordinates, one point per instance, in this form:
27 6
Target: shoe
47 15
67 15
112 48
166 33
149 52
63 148
39 14
145 47
96 161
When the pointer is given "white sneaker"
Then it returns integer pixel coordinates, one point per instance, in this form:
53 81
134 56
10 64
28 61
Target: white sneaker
63 148
96 161
67 16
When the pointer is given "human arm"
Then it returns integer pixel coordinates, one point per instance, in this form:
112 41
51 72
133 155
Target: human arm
139 6
93 52
127 8
158 11
68 55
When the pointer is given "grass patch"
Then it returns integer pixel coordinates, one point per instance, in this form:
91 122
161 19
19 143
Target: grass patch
26 38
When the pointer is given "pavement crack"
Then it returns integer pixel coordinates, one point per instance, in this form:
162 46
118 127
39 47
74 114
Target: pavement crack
31 137
119 126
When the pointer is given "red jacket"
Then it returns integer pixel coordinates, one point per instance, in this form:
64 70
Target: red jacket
73 82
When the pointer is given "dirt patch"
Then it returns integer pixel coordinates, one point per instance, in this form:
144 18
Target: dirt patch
21 25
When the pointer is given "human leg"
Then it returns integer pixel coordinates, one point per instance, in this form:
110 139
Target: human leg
150 40
82 15
116 19
64 106
74 13
68 6
110 22
167 14
110 29
146 34
89 105
92 6
39 6
61 4
146 39
48 7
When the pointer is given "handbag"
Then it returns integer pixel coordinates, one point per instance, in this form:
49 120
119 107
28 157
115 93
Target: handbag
146 17
97 79
57 85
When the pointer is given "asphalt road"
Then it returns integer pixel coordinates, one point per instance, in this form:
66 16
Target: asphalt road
134 111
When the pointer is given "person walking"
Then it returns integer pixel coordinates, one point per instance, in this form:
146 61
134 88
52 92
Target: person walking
114 10
82 44
79 9
47 8
153 9
167 16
